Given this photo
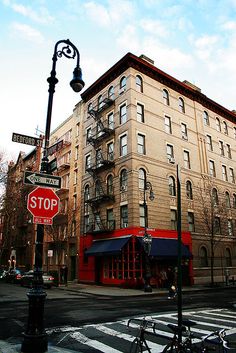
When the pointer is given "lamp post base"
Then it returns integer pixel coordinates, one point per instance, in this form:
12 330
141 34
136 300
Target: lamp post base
34 343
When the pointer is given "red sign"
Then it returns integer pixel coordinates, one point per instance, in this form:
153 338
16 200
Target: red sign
43 203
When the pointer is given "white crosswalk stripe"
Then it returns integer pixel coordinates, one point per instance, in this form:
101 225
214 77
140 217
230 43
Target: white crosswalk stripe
116 337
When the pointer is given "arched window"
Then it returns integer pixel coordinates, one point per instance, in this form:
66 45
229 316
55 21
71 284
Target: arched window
111 93
218 126
110 184
90 107
181 105
166 97
86 193
123 180
225 128
228 257
215 198
227 200
141 178
123 83
172 188
139 84
206 118
234 200
100 101
189 190
203 257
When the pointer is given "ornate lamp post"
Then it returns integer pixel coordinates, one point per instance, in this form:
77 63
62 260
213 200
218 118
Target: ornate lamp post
147 238
35 338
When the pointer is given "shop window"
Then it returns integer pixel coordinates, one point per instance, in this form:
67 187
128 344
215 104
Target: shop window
203 257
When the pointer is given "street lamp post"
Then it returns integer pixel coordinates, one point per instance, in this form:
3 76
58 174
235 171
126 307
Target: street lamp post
147 238
35 338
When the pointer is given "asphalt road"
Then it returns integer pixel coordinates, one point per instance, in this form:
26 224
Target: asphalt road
74 310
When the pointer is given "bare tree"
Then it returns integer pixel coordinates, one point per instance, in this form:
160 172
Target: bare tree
213 210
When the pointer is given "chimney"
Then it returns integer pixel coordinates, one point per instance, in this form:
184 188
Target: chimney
144 57
192 85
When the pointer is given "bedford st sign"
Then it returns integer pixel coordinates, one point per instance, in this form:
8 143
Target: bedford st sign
27 140
43 203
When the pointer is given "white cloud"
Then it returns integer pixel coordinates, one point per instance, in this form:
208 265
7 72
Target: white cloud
27 32
155 27
42 16
229 25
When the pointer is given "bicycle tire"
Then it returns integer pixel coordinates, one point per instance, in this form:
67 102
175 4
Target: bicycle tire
169 348
136 346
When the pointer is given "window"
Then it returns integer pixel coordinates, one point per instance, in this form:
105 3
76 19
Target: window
141 178
168 128
224 173
170 153
86 223
206 118
123 180
173 220
184 131
98 188
111 94
110 219
141 144
90 107
110 151
228 257
218 126
140 113
225 128
74 202
212 168
235 132
76 152
191 225
142 215
228 149
209 143
221 145
110 185
166 97
139 84
99 157
186 160
123 114
124 216
75 176
88 135
86 193
227 200
189 190
181 105
110 120
217 227
203 257
77 129
172 188
215 198
122 84
231 175
73 229
234 200
88 161
123 145
100 102
230 227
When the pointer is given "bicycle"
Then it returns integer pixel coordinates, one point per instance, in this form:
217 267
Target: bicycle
139 344
216 340
186 346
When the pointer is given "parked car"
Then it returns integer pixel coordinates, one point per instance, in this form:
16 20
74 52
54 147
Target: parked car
13 276
27 279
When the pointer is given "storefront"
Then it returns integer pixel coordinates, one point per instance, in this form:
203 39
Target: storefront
119 259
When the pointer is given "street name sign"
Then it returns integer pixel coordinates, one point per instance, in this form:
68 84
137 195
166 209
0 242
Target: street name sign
54 148
43 204
46 180
52 165
27 140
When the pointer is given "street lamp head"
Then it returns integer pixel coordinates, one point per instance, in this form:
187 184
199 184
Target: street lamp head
152 195
77 84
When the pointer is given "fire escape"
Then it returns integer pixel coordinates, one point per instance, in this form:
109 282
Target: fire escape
102 192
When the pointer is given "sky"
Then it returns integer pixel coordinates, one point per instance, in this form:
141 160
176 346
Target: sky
192 40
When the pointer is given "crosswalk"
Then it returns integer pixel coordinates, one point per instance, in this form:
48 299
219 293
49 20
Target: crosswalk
116 337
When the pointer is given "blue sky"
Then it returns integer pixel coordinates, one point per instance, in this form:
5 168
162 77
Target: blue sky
189 39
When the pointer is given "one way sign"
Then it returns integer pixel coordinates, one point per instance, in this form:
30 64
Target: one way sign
46 180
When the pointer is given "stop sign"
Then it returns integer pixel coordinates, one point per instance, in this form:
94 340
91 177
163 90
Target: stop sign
43 203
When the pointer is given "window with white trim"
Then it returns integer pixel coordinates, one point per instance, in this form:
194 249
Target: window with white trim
123 145
141 144
123 114
140 113
168 127
224 173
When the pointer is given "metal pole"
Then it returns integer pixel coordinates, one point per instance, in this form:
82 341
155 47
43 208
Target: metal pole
35 338
179 278
147 239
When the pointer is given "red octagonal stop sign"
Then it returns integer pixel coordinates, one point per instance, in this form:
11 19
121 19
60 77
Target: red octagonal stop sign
43 203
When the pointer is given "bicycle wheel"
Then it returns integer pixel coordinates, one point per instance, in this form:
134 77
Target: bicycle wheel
170 348
136 346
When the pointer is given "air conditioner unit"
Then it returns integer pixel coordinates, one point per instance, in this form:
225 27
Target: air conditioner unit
172 160
121 91
123 188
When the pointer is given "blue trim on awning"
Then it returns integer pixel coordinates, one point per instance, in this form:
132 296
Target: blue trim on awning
167 248
107 247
